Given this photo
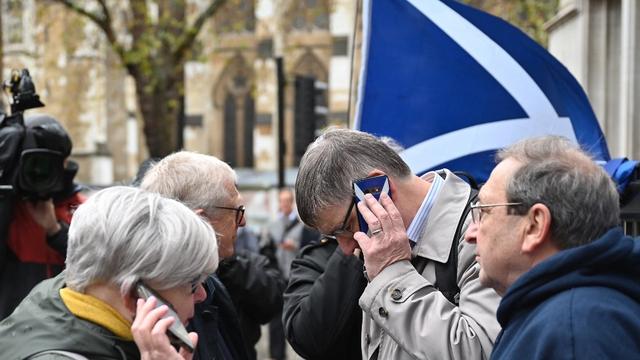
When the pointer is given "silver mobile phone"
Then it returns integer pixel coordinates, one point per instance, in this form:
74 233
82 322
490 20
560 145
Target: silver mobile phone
177 333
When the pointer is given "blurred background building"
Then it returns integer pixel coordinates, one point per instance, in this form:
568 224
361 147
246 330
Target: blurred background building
230 80
598 40
229 107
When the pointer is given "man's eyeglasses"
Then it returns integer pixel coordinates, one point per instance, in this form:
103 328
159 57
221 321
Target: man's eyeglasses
239 212
342 232
476 209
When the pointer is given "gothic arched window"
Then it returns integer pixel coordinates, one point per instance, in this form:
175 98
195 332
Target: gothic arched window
249 124
309 15
230 154
235 100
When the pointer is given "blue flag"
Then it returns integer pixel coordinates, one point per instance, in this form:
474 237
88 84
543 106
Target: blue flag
452 84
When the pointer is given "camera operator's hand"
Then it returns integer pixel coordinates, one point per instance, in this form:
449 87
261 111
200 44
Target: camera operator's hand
44 214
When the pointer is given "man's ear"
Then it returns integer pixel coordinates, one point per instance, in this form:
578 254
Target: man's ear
537 230
377 172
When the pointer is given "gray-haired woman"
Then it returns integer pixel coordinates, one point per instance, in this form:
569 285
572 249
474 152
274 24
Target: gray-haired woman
120 238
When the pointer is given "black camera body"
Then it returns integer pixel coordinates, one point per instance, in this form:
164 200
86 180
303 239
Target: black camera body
32 153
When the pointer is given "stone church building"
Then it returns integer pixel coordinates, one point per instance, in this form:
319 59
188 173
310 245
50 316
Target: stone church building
231 83
230 97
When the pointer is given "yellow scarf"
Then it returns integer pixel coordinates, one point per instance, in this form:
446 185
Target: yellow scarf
92 309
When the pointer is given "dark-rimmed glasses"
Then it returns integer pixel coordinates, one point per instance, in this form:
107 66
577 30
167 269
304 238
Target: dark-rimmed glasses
476 209
342 232
239 212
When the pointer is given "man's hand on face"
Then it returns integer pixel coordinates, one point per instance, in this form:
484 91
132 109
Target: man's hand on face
44 214
348 246
388 242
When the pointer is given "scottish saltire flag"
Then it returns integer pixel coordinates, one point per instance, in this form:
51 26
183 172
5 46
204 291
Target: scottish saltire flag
453 84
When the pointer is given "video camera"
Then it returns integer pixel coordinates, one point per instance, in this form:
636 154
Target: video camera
32 155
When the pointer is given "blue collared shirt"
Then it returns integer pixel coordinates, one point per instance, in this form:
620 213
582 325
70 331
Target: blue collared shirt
416 228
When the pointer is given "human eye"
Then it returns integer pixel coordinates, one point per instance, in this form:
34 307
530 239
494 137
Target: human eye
339 232
346 231
348 228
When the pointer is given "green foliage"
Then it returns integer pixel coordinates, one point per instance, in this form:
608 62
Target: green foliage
528 15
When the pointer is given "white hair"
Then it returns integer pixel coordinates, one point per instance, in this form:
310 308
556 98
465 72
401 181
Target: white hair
198 181
122 234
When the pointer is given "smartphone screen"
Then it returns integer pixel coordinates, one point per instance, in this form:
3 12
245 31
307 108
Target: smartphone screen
375 186
177 333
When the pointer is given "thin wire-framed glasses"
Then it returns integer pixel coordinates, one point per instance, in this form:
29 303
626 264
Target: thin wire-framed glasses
342 231
476 209
239 212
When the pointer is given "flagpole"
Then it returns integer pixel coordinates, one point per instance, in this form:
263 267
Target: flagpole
353 57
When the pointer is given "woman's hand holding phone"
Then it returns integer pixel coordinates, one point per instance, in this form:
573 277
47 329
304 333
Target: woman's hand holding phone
149 331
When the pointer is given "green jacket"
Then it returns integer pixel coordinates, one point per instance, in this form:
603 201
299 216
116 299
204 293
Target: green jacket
42 322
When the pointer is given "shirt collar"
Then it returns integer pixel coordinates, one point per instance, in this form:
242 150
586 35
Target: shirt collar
444 217
417 226
293 215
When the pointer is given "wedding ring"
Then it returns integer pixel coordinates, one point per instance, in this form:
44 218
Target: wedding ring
376 231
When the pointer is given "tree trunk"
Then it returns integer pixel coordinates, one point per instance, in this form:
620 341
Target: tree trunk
159 104
155 59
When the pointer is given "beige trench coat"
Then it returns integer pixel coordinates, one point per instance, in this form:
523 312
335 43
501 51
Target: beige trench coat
405 317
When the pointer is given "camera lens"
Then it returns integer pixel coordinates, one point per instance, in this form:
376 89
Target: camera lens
41 173
37 171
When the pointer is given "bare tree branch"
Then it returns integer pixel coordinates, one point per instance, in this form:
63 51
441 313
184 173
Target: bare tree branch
188 37
105 11
154 57
103 22
139 13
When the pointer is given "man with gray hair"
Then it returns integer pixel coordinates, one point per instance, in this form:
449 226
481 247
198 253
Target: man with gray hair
546 235
120 238
410 311
247 290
